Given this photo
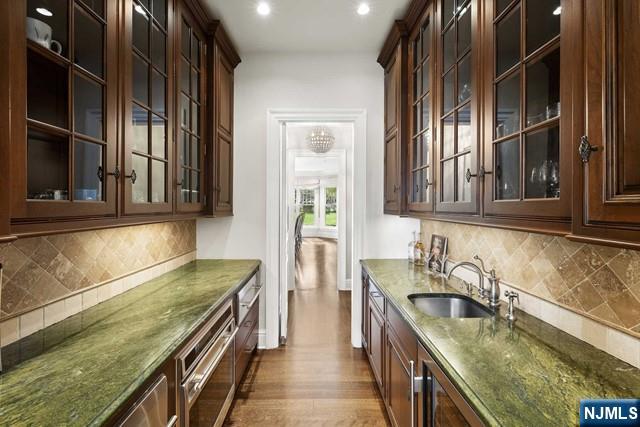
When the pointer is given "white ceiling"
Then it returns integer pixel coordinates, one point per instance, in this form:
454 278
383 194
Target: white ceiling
303 26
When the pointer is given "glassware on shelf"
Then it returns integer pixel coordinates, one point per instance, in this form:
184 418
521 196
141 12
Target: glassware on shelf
552 110
547 178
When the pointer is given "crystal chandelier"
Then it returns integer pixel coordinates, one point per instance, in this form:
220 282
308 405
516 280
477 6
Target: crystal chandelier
320 140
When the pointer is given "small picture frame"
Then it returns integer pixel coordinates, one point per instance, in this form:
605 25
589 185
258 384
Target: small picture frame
437 253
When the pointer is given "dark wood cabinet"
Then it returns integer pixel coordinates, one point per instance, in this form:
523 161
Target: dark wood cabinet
398 382
605 144
63 111
147 171
110 109
397 358
192 104
502 97
394 61
420 166
400 365
457 107
527 146
223 59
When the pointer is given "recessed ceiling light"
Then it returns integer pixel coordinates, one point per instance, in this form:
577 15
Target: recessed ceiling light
43 11
558 10
263 8
363 9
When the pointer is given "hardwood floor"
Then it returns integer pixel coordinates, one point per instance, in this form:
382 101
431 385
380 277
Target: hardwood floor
317 379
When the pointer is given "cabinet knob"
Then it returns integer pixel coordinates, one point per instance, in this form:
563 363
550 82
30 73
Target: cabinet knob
481 173
133 176
115 173
396 187
585 149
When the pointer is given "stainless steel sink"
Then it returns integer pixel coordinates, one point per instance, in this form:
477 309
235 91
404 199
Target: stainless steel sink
449 305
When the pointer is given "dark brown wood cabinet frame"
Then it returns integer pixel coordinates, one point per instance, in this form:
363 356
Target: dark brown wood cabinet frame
455 206
223 59
190 14
21 217
600 199
606 203
393 59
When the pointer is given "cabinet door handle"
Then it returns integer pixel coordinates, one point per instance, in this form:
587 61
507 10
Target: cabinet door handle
115 173
133 176
481 173
396 187
585 149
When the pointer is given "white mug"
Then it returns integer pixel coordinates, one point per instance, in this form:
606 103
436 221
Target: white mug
40 33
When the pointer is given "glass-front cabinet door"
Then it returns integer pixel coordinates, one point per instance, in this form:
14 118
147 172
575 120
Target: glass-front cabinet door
421 96
191 78
527 173
68 140
458 109
147 119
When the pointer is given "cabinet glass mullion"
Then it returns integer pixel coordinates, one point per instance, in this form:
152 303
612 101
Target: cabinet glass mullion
526 137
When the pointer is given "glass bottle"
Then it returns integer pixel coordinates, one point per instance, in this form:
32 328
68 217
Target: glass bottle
411 248
418 253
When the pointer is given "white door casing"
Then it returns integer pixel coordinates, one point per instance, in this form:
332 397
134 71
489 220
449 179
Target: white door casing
276 265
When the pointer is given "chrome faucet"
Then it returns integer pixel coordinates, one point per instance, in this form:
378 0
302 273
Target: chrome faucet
476 268
494 283
493 293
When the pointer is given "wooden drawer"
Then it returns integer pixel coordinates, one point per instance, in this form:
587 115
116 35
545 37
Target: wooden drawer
244 330
376 296
403 332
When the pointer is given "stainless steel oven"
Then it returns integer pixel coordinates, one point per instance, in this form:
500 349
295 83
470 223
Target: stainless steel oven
206 372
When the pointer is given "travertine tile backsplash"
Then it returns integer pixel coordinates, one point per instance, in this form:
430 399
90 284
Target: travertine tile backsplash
599 280
39 270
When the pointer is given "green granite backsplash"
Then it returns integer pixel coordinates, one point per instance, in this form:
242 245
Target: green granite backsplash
39 270
600 281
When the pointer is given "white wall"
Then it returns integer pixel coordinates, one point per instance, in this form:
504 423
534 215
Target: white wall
290 81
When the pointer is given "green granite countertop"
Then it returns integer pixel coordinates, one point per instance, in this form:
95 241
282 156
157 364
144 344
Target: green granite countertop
79 371
531 374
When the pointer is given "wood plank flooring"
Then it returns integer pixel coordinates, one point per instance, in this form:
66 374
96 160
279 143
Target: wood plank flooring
317 379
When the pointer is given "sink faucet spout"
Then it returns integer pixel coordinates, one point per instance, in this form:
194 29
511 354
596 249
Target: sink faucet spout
481 290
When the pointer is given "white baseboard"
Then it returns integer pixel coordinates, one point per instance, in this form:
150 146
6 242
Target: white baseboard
262 339
346 285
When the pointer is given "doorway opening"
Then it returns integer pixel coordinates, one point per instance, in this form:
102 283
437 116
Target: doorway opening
318 197
313 200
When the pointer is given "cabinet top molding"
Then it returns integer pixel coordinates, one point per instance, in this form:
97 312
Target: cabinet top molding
216 29
397 33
